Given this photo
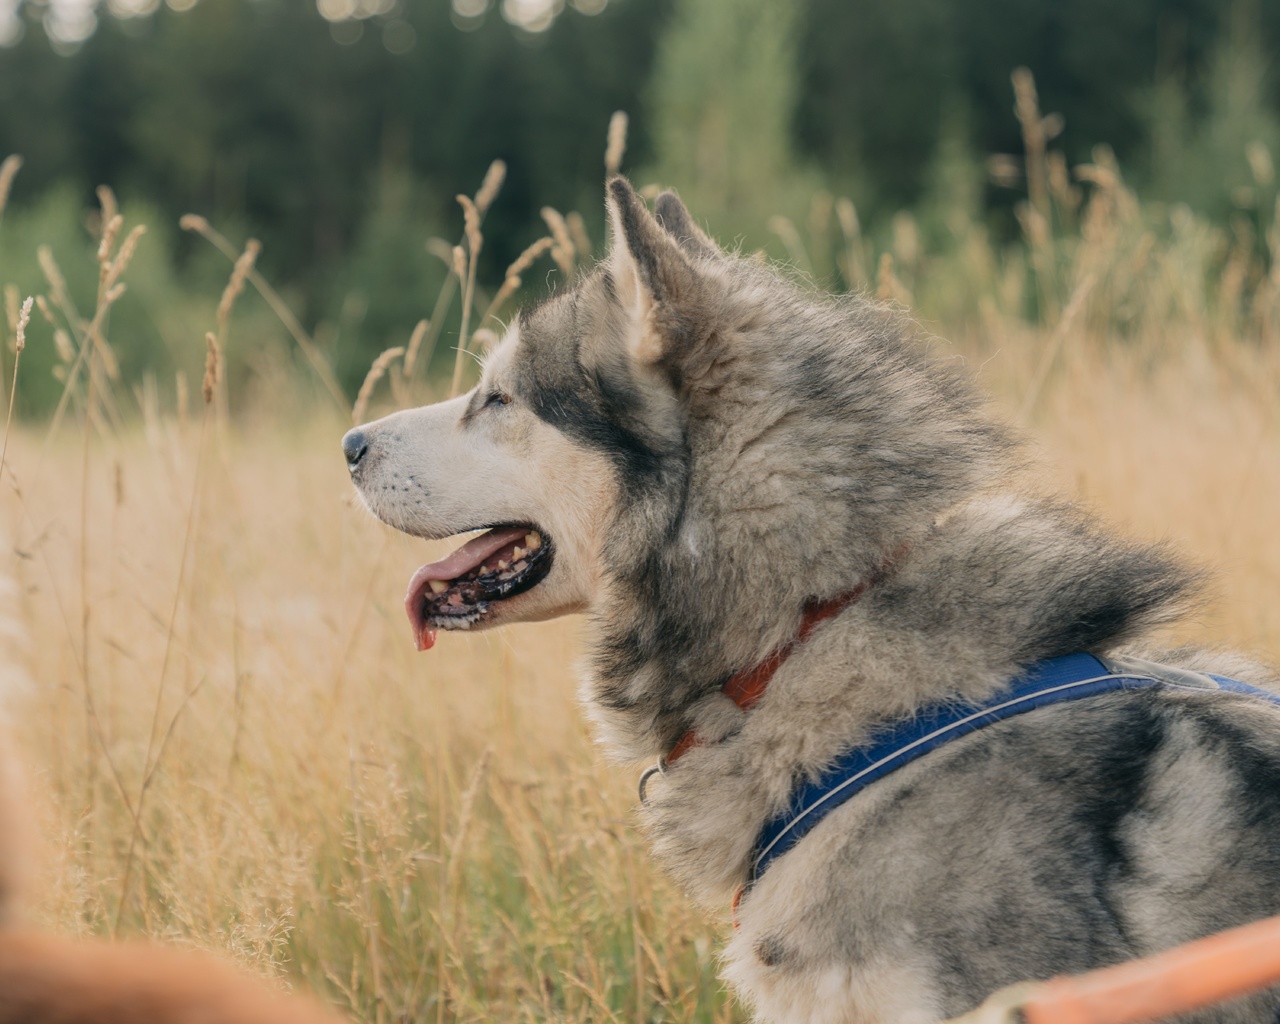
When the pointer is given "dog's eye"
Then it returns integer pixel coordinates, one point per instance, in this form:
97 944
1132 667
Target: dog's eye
497 398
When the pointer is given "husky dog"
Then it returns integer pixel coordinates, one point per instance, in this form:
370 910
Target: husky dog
696 454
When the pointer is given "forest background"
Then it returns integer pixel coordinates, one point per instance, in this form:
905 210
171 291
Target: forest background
339 133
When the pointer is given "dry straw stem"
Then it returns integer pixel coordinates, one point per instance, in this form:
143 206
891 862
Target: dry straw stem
854 259
91 339
473 215
239 272
563 250
471 222
1070 317
8 171
415 343
484 339
443 251
616 147
110 228
376 372
1037 220
512 279
888 287
790 236
12 306
121 262
107 202
212 366
57 283
19 343
578 232
490 186
194 222
471 225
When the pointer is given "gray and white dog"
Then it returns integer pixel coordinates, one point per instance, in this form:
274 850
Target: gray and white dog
696 454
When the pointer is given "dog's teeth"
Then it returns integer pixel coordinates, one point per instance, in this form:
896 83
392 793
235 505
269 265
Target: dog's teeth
521 566
502 564
519 552
437 586
533 541
483 569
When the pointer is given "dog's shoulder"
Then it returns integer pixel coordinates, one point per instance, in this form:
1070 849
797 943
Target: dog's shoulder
1050 842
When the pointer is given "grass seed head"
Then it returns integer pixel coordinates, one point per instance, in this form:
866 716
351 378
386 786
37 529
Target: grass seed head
530 255
52 274
471 224
616 146
376 372
8 171
239 274
492 184
415 343
578 231
107 201
110 229
563 250
121 263
20 331
212 366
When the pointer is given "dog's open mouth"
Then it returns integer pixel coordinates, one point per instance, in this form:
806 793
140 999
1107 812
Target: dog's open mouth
459 590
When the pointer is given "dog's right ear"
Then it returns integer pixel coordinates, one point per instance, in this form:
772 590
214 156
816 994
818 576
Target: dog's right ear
674 216
652 276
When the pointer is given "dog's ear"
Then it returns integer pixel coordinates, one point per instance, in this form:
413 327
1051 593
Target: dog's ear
652 277
674 216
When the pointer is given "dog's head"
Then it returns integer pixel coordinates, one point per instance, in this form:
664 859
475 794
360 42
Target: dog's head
682 430
574 406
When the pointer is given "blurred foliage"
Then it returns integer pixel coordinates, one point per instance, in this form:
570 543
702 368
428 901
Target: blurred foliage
340 132
723 93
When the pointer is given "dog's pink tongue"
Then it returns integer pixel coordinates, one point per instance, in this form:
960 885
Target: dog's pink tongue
453 565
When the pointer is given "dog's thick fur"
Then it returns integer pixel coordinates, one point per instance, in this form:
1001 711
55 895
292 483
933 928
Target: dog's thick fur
709 449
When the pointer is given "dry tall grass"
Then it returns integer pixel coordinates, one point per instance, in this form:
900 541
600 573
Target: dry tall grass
233 744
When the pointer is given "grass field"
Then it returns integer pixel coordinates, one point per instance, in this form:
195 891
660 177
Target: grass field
434 834
230 742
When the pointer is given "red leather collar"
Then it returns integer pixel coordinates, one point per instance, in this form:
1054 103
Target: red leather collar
745 688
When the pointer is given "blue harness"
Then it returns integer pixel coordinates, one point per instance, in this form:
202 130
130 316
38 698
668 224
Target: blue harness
1071 677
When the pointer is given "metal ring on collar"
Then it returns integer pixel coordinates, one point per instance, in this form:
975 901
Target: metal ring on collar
658 768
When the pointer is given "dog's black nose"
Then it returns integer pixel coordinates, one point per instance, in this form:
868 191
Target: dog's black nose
354 445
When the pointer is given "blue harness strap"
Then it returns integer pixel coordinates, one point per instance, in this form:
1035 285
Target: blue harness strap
1071 677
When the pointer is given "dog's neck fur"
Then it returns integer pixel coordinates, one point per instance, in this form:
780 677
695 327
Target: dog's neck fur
1052 583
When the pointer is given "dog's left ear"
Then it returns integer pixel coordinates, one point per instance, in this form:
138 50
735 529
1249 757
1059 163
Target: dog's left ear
653 278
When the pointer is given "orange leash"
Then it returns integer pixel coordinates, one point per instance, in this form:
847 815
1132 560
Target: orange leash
1210 970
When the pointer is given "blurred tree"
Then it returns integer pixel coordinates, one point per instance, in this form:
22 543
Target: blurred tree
724 93
877 76
340 131
1223 160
